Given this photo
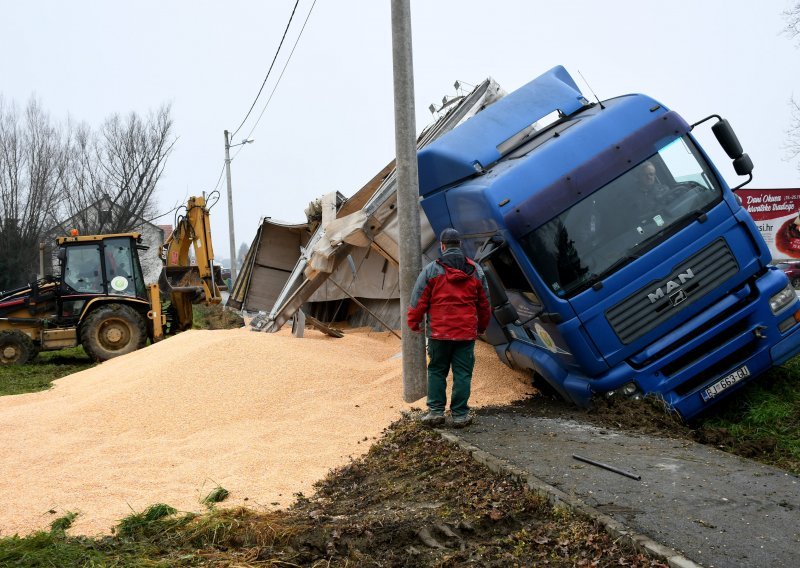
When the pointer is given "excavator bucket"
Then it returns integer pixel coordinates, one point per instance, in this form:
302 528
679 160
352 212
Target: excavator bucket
187 280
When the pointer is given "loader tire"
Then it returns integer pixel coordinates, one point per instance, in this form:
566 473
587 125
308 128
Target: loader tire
16 348
113 330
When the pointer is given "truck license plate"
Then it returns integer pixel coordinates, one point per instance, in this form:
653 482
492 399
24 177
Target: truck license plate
725 382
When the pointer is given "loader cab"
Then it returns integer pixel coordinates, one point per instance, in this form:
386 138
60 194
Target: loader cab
98 266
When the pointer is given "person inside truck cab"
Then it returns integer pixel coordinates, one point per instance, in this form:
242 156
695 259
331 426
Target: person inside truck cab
650 195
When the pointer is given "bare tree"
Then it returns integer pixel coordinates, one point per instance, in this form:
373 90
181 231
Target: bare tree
113 175
792 16
793 142
792 30
32 161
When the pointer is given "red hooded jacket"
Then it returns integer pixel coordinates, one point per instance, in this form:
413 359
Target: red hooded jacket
453 293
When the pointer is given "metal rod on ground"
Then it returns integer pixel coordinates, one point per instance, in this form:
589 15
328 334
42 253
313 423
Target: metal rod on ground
363 307
608 467
415 384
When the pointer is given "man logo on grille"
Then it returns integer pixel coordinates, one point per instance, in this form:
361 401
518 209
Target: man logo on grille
677 298
671 285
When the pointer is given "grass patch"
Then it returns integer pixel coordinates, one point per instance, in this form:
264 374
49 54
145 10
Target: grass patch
215 317
63 523
49 549
152 521
37 375
216 495
762 421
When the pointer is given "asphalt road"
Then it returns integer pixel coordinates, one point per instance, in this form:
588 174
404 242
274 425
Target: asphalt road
719 510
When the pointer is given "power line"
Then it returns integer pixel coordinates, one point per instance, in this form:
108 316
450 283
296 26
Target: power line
219 179
288 59
269 70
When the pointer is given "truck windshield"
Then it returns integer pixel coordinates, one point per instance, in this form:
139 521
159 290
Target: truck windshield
619 222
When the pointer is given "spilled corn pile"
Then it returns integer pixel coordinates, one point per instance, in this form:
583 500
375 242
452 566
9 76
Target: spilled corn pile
262 415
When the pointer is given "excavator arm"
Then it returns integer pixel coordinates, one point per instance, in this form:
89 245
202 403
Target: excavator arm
184 282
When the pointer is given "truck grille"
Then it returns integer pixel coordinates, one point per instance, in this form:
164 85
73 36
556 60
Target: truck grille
662 299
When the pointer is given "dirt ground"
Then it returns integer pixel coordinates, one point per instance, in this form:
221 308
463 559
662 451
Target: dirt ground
412 500
415 500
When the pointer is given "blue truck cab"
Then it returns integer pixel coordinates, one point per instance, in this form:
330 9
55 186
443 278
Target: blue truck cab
619 260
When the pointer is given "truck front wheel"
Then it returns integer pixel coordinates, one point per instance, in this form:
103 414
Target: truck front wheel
113 330
16 348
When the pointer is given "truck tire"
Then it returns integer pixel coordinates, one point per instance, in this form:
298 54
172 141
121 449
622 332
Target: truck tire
796 282
16 348
113 330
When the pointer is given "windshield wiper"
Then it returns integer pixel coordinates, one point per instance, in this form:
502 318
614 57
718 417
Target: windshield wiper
619 263
690 216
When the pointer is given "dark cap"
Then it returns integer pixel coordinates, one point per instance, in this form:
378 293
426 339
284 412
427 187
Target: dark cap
450 237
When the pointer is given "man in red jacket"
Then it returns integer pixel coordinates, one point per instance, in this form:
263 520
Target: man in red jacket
453 293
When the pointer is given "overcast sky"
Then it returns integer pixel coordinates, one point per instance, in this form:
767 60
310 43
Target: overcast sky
329 125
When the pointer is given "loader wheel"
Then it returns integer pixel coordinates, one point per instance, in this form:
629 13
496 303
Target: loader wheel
16 348
113 330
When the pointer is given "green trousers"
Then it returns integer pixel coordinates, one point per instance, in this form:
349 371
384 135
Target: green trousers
460 355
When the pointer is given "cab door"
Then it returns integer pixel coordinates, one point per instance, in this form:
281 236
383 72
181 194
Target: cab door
122 272
81 279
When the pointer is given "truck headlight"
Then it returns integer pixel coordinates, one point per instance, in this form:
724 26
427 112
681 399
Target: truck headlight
782 299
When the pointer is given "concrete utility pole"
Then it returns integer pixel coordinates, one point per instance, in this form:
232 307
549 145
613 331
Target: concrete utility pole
415 383
228 147
230 207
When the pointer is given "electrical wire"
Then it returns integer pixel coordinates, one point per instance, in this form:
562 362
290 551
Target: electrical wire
219 179
212 199
282 72
285 65
163 214
269 70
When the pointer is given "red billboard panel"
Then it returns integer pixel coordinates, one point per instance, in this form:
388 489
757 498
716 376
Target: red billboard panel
777 215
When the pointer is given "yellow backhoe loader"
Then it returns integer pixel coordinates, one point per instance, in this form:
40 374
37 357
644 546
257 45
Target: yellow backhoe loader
100 300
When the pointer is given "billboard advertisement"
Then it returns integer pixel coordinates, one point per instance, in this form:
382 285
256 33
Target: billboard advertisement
777 215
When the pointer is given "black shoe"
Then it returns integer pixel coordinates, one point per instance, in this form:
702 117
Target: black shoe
462 421
433 419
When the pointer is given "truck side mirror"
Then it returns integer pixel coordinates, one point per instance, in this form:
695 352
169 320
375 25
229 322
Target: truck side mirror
727 139
62 255
743 165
